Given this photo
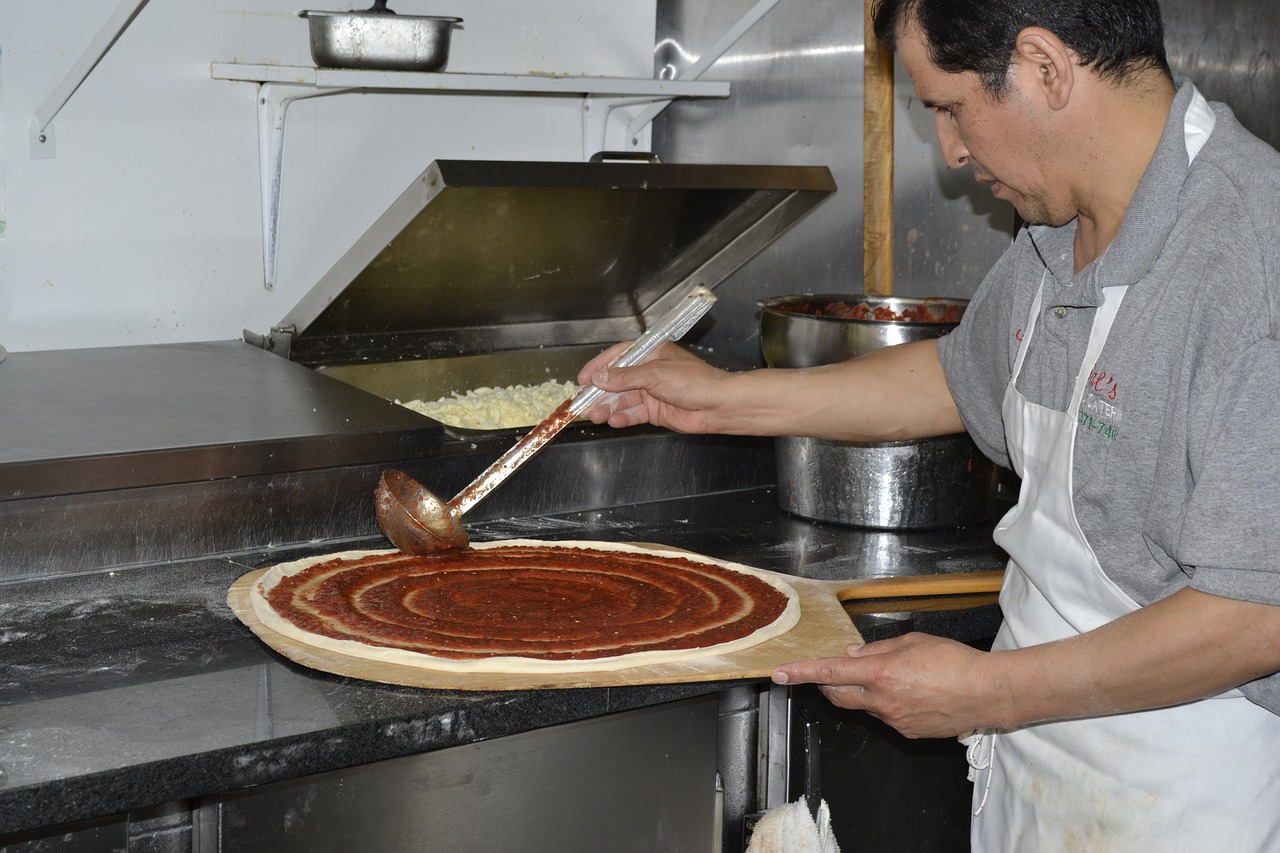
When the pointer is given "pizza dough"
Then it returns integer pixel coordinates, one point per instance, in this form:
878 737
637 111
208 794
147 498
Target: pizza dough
523 606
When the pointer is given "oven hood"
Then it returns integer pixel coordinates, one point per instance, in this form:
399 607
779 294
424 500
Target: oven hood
484 256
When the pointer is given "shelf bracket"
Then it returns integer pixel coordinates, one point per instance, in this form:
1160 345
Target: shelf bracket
693 72
273 103
40 136
596 111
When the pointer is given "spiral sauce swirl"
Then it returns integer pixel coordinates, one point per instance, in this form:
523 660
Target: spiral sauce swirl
534 601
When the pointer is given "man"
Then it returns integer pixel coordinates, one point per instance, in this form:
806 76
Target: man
1122 357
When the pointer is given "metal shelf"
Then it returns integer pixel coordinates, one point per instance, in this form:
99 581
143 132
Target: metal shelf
280 85
442 82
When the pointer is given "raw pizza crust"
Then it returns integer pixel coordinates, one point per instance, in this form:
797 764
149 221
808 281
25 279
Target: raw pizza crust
515 664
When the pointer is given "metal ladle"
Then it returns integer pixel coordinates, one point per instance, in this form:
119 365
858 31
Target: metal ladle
418 522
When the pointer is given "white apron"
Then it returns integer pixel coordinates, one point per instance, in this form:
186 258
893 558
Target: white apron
1202 777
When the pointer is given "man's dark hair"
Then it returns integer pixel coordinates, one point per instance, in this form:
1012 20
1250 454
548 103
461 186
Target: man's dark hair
1114 37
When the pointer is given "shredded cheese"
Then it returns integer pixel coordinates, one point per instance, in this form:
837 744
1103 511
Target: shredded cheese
496 408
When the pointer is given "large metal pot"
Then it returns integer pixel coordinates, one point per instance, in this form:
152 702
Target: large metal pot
929 483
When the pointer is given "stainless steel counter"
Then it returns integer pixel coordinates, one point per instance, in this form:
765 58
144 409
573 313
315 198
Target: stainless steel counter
124 456
89 420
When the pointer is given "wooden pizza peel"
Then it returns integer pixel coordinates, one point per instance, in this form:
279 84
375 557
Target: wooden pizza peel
824 630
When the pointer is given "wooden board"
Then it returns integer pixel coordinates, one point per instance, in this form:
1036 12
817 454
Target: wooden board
824 630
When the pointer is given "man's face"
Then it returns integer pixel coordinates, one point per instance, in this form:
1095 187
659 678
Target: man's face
999 139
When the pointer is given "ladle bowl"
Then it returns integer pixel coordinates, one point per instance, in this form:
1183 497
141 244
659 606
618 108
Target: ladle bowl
414 519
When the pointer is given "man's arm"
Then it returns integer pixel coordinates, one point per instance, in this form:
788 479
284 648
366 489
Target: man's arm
1188 646
891 393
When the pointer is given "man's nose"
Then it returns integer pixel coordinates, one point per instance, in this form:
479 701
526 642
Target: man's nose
954 151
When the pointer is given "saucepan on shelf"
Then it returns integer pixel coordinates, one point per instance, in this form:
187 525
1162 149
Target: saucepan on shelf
379 39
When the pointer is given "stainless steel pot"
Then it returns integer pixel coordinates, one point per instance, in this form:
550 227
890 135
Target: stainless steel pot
929 483
379 39
825 328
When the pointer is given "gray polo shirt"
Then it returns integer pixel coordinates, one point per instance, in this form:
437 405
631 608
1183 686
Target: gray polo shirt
1177 456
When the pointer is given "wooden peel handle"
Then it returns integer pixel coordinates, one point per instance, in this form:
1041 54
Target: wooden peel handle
910 586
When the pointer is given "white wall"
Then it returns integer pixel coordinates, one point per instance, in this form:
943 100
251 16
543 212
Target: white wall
145 227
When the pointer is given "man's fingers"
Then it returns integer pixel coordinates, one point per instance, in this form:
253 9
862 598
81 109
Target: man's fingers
837 671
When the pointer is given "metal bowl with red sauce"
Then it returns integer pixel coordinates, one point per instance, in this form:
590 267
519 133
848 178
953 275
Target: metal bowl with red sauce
811 329
926 311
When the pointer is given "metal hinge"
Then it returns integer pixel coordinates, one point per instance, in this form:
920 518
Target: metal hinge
279 340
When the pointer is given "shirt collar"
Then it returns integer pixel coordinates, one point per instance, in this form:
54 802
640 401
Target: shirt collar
1147 222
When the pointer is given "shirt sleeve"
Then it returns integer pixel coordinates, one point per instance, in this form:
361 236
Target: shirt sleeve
975 359
1228 543
1228 530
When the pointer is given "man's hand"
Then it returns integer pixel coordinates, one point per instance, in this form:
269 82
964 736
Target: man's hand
923 686
672 389
1188 646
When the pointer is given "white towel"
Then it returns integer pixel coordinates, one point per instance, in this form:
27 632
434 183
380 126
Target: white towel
792 829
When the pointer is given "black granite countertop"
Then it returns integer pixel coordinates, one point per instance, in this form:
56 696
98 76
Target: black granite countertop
124 689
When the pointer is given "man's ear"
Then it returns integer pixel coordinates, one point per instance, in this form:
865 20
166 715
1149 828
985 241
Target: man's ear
1049 62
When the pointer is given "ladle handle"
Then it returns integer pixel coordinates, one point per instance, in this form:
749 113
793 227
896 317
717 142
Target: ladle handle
673 325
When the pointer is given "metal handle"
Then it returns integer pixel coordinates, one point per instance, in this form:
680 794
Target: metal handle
629 156
811 760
